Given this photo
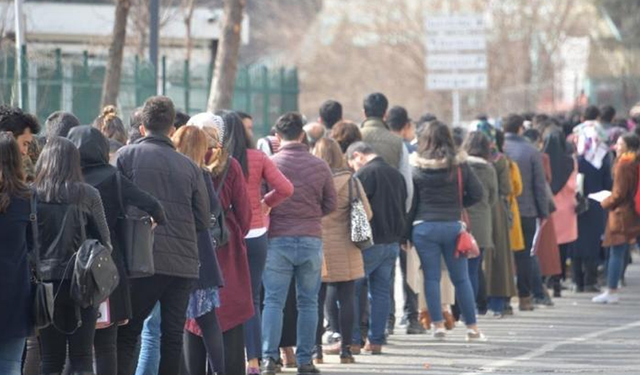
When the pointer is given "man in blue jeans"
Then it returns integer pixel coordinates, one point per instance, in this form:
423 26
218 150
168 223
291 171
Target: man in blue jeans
295 245
387 194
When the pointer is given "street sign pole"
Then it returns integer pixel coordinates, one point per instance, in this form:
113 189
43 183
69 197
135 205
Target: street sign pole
455 103
19 30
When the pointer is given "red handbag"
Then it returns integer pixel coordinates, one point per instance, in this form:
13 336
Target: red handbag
466 245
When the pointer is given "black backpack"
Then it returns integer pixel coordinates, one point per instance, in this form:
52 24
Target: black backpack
95 275
219 231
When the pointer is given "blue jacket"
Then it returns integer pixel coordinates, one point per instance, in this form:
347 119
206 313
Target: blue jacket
534 201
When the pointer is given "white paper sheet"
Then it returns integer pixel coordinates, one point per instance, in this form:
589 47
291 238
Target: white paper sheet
600 196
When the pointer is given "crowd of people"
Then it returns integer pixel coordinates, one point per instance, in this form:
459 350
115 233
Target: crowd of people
260 246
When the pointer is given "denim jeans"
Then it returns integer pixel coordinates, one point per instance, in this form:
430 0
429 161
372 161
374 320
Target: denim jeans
434 240
379 261
299 258
11 355
149 359
496 304
616 264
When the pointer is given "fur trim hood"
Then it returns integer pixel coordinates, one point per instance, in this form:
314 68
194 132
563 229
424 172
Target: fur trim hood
476 160
419 162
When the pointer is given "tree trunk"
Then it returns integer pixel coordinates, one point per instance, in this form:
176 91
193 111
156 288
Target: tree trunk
226 66
111 85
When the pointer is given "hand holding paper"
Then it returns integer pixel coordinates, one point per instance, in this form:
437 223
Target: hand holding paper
600 196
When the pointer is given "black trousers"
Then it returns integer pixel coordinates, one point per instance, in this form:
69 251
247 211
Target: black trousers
410 298
524 261
585 271
345 294
173 294
208 349
55 344
105 344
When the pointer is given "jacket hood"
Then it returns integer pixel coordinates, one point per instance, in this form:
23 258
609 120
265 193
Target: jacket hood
420 162
93 146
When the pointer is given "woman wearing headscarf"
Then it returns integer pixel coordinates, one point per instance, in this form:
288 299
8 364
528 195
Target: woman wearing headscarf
594 163
563 187
498 260
236 303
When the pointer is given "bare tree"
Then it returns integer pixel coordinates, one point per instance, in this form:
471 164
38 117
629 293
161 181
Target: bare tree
188 7
226 66
111 85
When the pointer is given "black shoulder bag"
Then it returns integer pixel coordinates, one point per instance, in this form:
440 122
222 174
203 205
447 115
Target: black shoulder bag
219 230
42 291
135 236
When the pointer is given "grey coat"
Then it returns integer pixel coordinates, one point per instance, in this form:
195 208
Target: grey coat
480 213
153 165
534 201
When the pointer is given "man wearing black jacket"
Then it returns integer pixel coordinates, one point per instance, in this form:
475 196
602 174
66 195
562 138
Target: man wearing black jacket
387 194
153 164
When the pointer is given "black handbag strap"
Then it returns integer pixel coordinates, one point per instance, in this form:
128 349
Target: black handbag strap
119 192
33 218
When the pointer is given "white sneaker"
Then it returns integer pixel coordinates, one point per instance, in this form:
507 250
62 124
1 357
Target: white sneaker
606 297
439 333
476 336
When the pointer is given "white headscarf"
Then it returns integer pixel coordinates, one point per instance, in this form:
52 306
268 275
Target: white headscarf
207 120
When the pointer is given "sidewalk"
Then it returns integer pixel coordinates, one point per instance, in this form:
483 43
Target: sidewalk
575 336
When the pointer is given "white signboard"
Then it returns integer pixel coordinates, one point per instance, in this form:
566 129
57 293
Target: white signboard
452 61
457 81
468 23
470 42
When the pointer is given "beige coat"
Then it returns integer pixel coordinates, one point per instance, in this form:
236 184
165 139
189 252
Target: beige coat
342 260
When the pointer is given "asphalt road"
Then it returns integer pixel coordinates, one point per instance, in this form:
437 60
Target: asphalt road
573 337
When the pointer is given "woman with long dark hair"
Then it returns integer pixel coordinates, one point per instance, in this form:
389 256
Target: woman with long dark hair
258 171
15 237
438 173
236 304
205 298
69 212
114 188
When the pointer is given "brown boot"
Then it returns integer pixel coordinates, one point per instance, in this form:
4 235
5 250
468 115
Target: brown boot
373 348
425 319
526 304
449 321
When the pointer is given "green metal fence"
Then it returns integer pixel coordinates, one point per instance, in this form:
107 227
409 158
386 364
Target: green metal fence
54 81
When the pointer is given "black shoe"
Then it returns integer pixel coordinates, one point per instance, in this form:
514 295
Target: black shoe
546 301
591 289
508 310
415 328
309 368
268 367
404 321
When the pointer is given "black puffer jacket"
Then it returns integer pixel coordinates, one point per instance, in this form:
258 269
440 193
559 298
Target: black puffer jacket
86 208
153 164
436 186
94 154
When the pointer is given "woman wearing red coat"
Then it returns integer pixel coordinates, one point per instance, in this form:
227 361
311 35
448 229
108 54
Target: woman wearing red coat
236 306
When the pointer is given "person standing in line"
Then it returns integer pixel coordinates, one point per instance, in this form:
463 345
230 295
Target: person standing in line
330 113
236 305
205 297
153 164
564 188
260 170
16 239
65 205
385 190
623 223
342 259
533 203
376 132
97 172
595 164
440 172
498 261
478 149
295 244
345 133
